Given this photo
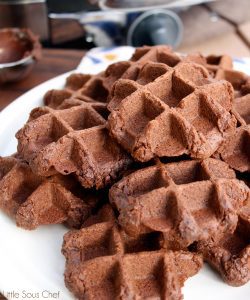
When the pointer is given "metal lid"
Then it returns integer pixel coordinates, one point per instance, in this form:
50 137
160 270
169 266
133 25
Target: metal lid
134 3
142 5
156 27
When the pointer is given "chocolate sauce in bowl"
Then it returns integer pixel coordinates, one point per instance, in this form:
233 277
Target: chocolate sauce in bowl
14 45
19 50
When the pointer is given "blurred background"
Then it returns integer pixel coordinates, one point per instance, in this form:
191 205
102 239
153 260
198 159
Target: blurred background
209 26
67 29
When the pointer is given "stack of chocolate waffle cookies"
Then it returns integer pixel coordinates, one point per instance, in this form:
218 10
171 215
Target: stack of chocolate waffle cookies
147 164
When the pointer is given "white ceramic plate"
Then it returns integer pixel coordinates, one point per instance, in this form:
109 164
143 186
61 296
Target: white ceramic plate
31 264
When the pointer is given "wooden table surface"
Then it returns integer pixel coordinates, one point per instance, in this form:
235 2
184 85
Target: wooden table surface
54 62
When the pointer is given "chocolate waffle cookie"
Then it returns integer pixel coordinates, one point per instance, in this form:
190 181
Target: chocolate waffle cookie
188 201
102 262
230 256
86 88
33 200
90 88
216 64
235 150
171 112
221 68
72 140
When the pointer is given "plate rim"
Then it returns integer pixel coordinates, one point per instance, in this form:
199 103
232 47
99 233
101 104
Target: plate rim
10 107
8 110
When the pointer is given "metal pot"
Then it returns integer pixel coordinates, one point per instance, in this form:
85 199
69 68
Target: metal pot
25 13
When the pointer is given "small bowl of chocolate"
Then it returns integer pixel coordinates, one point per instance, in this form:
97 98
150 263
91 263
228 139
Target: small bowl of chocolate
19 51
